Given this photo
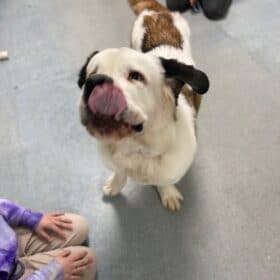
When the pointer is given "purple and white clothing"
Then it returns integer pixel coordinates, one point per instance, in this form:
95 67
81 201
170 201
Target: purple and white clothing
12 215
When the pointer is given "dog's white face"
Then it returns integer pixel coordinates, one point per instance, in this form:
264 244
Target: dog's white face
125 92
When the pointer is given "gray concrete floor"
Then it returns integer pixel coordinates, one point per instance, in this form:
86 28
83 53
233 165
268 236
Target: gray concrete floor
229 227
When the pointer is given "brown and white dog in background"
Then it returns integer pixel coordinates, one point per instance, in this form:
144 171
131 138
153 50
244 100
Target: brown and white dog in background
140 103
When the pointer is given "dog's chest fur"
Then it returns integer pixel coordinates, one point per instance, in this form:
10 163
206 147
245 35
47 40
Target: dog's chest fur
163 159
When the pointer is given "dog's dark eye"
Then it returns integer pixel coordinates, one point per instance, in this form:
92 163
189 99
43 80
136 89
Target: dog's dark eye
136 76
137 128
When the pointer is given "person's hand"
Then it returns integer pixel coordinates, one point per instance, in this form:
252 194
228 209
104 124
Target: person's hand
74 264
53 223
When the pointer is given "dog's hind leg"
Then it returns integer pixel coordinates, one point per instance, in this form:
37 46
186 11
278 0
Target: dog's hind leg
114 184
170 197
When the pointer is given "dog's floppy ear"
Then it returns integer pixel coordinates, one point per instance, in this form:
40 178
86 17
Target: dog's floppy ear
178 74
83 71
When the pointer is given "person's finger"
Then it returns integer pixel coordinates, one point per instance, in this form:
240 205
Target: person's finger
65 220
77 256
90 260
56 230
57 214
62 221
44 235
80 270
65 253
63 225
75 277
87 260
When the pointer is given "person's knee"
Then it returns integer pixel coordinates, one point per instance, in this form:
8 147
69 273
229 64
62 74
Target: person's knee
80 227
178 5
215 9
214 14
90 272
90 252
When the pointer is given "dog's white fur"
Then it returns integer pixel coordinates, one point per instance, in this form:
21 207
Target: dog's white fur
164 151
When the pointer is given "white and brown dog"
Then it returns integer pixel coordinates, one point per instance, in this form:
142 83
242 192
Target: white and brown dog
141 103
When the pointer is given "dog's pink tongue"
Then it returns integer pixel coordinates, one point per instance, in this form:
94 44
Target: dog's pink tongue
107 100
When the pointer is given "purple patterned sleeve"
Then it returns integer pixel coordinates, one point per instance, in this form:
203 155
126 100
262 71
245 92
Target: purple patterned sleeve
30 219
18 216
8 249
51 271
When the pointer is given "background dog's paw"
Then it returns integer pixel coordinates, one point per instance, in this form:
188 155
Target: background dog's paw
170 197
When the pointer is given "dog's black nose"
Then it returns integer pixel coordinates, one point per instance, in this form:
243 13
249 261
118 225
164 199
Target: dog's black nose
92 82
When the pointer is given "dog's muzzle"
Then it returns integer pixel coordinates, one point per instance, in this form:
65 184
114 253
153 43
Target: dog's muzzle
94 81
104 98
107 100
107 106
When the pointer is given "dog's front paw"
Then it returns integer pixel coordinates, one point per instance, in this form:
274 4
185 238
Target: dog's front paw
170 197
114 185
109 190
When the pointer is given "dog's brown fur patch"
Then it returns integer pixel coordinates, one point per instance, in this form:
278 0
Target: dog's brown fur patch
160 30
140 5
193 98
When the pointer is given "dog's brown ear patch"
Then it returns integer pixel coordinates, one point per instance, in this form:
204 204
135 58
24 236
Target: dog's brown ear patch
83 71
178 74
160 30
192 98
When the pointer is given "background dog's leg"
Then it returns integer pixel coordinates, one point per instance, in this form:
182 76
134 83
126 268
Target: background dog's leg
170 197
114 184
